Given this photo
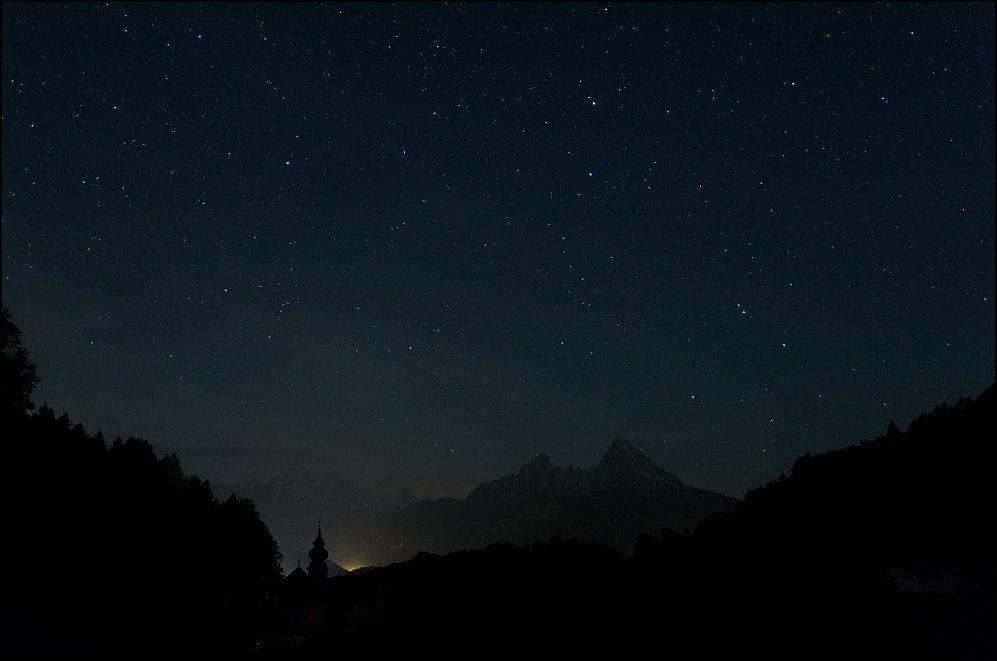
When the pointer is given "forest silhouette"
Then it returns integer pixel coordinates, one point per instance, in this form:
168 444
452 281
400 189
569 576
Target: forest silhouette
124 555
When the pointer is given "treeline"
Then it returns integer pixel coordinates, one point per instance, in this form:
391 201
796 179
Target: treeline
804 559
113 551
926 495
551 587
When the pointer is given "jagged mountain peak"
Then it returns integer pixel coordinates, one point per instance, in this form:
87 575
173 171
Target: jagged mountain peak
623 451
623 468
536 479
541 460
538 469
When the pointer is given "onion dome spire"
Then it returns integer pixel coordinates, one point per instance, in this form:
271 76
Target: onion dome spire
317 568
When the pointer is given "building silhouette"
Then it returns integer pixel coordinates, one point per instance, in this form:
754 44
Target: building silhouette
304 598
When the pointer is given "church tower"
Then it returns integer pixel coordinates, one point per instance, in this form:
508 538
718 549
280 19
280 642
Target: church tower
317 569
304 597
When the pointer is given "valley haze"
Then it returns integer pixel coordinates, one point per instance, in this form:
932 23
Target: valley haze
624 495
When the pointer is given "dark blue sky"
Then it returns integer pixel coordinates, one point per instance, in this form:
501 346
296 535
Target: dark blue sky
418 245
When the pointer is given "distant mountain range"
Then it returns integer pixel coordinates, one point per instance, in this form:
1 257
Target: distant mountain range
292 508
623 495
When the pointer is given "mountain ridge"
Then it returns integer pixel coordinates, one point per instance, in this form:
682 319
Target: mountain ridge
623 468
625 494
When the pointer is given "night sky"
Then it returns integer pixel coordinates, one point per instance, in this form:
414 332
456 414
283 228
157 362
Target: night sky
415 246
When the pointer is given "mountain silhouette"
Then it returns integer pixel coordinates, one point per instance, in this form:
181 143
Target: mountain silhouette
623 471
623 495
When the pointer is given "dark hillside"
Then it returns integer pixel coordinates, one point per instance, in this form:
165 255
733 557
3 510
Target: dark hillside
125 555
926 496
813 551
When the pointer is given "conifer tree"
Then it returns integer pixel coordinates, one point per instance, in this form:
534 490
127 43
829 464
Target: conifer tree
17 374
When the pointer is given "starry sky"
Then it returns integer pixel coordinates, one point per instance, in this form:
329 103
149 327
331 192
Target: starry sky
415 246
